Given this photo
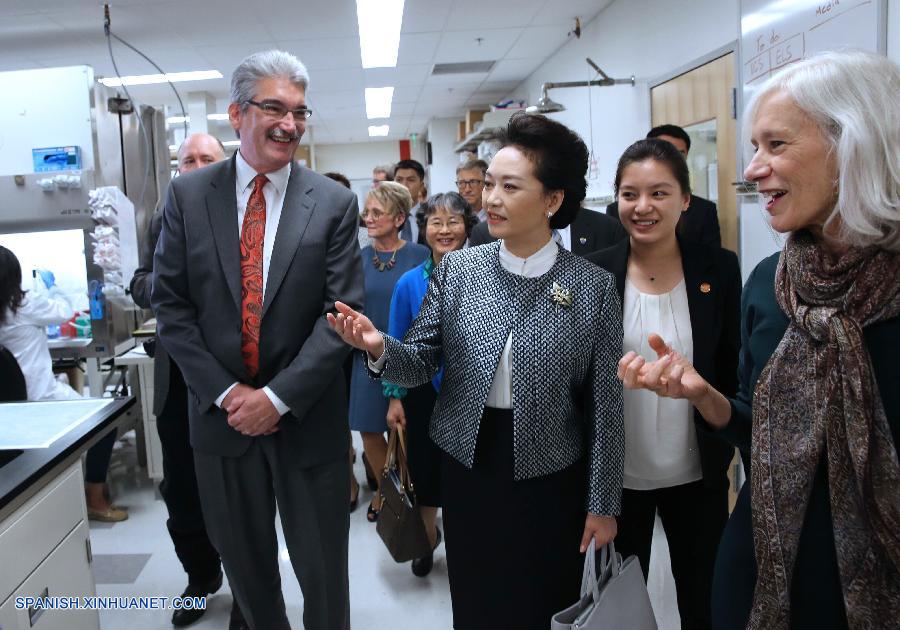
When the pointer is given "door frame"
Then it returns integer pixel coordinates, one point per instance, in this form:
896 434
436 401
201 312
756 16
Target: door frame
733 46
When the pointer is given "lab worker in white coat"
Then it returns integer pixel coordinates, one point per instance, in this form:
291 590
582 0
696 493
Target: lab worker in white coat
24 317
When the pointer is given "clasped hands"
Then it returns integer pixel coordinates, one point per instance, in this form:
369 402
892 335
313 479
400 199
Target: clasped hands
671 375
250 411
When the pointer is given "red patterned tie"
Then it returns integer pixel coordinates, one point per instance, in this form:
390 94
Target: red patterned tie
252 235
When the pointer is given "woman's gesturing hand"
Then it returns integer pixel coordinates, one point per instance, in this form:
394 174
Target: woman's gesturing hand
357 330
671 375
601 528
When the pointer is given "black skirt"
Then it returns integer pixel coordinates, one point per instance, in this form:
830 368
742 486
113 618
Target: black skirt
424 456
512 546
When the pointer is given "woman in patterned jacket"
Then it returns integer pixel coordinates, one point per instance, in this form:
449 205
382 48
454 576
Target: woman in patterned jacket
529 417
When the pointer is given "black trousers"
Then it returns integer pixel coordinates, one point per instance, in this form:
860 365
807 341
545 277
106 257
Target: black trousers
96 460
693 516
179 486
512 546
239 497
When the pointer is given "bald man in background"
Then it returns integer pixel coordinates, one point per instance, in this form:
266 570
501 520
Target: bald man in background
178 488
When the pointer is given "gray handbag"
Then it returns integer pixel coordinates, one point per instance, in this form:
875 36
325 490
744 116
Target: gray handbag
613 598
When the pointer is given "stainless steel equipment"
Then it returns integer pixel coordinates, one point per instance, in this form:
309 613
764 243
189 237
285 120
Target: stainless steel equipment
115 152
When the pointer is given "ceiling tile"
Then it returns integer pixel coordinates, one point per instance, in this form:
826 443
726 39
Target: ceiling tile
467 14
564 13
325 54
464 45
401 76
416 48
514 69
425 16
538 41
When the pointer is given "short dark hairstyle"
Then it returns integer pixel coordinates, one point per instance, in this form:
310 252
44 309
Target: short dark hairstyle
471 165
11 293
454 202
671 130
659 151
560 159
413 164
338 177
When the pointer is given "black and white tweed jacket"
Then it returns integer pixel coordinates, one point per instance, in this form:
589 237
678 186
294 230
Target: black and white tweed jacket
566 397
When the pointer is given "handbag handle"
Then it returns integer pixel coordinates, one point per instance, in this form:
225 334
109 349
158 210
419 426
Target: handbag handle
396 456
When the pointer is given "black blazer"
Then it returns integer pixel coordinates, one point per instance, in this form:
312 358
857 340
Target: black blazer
591 231
699 223
712 277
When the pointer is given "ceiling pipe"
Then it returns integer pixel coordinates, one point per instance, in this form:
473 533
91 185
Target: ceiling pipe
547 105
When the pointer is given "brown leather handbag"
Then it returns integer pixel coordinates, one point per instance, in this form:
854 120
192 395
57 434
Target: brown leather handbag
399 523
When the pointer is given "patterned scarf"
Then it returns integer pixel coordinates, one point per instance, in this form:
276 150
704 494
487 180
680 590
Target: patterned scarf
817 394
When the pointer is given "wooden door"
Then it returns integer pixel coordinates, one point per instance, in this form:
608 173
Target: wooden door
702 99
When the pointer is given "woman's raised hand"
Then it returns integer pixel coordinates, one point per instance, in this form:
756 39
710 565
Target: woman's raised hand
671 375
357 330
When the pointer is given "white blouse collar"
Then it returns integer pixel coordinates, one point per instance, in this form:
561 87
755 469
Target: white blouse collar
535 265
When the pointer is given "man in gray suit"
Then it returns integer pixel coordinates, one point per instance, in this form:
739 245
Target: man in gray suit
179 485
253 252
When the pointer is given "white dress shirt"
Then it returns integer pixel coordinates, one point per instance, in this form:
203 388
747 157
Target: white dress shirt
660 438
273 191
563 236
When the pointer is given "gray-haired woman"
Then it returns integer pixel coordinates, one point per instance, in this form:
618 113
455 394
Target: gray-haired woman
817 412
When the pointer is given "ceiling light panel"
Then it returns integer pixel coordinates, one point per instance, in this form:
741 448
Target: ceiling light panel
379 31
378 130
172 77
378 102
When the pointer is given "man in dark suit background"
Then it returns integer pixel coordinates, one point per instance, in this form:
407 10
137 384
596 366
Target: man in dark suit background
179 485
700 222
253 252
591 231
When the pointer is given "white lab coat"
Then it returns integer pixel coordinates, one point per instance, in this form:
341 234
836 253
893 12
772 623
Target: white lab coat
25 335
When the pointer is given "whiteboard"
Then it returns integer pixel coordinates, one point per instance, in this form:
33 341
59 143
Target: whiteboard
774 34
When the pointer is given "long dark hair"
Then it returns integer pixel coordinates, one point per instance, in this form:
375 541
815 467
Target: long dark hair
11 293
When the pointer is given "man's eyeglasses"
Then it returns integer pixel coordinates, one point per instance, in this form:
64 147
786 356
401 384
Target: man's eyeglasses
274 109
468 183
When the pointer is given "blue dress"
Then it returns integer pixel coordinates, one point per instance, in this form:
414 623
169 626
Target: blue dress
368 406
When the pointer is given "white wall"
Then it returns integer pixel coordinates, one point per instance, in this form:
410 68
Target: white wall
356 160
644 38
442 172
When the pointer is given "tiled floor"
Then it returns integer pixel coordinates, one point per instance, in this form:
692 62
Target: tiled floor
135 558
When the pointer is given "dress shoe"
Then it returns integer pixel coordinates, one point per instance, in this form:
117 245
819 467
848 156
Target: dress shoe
237 621
181 618
112 514
422 566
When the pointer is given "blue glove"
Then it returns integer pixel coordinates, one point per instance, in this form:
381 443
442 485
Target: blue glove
48 277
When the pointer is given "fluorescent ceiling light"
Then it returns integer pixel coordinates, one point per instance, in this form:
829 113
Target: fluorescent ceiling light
379 31
232 143
378 102
378 130
173 77
177 120
173 148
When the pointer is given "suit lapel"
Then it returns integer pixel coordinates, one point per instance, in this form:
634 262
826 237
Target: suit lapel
582 235
221 206
702 293
295 215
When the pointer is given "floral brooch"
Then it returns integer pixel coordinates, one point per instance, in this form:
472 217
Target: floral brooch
561 296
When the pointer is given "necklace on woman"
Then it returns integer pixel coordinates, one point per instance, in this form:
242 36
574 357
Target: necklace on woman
381 265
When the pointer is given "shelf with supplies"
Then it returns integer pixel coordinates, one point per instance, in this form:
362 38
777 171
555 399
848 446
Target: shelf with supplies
489 125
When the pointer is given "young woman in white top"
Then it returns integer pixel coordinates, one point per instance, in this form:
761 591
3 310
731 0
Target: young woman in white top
24 317
690 294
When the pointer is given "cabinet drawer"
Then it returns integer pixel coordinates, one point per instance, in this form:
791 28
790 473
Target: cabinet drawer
65 573
34 530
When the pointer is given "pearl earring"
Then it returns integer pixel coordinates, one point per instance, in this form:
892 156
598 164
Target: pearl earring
549 215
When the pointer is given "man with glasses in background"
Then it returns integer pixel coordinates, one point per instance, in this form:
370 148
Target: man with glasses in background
253 253
470 184
382 173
